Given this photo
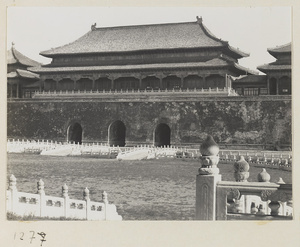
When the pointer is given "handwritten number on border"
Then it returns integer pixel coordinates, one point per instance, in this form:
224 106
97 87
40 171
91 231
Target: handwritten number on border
23 236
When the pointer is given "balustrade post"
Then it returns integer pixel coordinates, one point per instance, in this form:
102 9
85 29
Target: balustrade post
41 192
66 200
207 179
86 197
105 201
13 195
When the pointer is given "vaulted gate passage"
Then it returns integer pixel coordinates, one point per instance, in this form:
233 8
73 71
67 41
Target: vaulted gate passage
162 135
75 133
117 133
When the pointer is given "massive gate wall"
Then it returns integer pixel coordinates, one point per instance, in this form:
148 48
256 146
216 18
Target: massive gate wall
257 120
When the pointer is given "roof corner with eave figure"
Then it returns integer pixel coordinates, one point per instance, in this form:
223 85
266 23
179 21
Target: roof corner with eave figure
14 56
225 43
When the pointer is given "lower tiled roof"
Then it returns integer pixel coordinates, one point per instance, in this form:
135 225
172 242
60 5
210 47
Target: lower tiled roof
251 78
217 62
249 71
272 67
214 63
20 73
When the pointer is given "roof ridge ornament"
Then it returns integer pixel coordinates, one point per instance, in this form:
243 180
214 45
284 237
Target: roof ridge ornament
199 19
13 44
93 27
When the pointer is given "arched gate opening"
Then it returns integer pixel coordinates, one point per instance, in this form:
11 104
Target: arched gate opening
117 134
75 133
162 135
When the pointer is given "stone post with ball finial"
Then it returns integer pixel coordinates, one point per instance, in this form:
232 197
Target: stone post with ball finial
207 180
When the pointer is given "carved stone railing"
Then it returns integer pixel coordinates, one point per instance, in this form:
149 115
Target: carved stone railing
253 198
278 160
240 199
41 205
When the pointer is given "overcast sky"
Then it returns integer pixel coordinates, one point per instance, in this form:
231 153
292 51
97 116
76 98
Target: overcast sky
252 30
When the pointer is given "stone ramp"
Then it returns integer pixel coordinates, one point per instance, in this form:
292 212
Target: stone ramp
62 151
134 155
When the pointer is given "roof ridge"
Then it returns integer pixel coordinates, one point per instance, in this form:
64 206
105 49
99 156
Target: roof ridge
13 49
144 25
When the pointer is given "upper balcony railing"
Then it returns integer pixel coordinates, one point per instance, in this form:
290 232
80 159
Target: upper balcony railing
106 93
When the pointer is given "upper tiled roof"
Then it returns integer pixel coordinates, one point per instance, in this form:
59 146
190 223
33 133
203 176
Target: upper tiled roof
14 56
283 49
142 38
280 49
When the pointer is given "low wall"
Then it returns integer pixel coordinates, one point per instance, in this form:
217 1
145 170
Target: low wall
232 120
41 205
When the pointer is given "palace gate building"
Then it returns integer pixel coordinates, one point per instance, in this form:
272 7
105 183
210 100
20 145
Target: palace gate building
162 84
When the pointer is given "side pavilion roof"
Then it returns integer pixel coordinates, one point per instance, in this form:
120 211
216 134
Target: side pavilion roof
144 37
14 56
287 48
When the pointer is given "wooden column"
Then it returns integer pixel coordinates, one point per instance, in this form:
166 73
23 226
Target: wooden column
277 85
112 83
161 82
182 80
11 90
56 85
268 85
204 80
75 84
17 89
140 82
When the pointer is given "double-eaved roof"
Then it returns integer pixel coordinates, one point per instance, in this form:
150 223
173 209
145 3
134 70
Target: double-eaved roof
144 38
16 57
279 65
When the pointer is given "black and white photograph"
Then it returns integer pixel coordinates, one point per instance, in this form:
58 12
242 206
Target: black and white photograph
122 114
